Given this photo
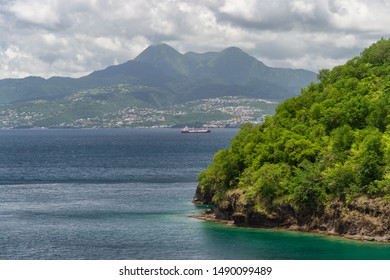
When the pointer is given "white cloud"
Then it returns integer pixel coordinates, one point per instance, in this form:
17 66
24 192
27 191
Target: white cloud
18 63
75 37
302 7
363 16
243 9
36 11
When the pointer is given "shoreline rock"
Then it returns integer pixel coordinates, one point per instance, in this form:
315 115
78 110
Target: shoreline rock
363 218
210 217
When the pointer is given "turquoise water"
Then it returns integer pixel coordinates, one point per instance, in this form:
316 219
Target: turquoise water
284 245
126 194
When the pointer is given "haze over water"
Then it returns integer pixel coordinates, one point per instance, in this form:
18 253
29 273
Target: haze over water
126 194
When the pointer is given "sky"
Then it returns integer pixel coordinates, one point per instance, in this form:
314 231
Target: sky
73 38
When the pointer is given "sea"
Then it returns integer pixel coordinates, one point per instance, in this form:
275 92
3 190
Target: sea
102 194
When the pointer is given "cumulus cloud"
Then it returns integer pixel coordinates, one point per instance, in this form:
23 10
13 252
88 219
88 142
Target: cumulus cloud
35 12
74 37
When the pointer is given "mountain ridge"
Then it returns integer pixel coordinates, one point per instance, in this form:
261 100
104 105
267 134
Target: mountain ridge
163 66
158 77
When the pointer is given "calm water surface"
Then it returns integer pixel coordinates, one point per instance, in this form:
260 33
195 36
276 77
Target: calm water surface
126 194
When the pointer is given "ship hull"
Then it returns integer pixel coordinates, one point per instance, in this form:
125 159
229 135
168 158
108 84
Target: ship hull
186 130
196 131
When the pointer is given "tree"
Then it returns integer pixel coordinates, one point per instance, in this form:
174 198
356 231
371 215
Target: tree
370 158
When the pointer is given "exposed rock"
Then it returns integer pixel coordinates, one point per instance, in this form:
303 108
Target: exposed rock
362 218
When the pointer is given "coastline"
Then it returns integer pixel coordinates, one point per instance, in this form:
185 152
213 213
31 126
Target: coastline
209 216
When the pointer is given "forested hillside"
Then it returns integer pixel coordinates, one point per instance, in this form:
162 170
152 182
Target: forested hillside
158 78
322 162
170 77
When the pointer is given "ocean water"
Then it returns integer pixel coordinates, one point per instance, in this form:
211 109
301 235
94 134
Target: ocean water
126 194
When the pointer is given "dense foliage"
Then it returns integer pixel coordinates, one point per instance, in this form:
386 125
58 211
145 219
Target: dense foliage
330 143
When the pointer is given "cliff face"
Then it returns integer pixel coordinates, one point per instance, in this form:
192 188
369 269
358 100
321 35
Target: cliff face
362 218
321 163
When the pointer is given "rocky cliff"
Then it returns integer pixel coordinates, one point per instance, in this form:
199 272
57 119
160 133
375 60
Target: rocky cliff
362 218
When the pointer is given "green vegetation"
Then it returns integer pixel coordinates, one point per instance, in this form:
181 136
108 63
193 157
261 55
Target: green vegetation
331 143
116 106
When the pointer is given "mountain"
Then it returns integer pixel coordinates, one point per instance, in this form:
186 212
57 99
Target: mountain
229 72
166 58
321 163
157 78
189 76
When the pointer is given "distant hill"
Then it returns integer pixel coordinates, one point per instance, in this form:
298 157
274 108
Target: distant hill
173 77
